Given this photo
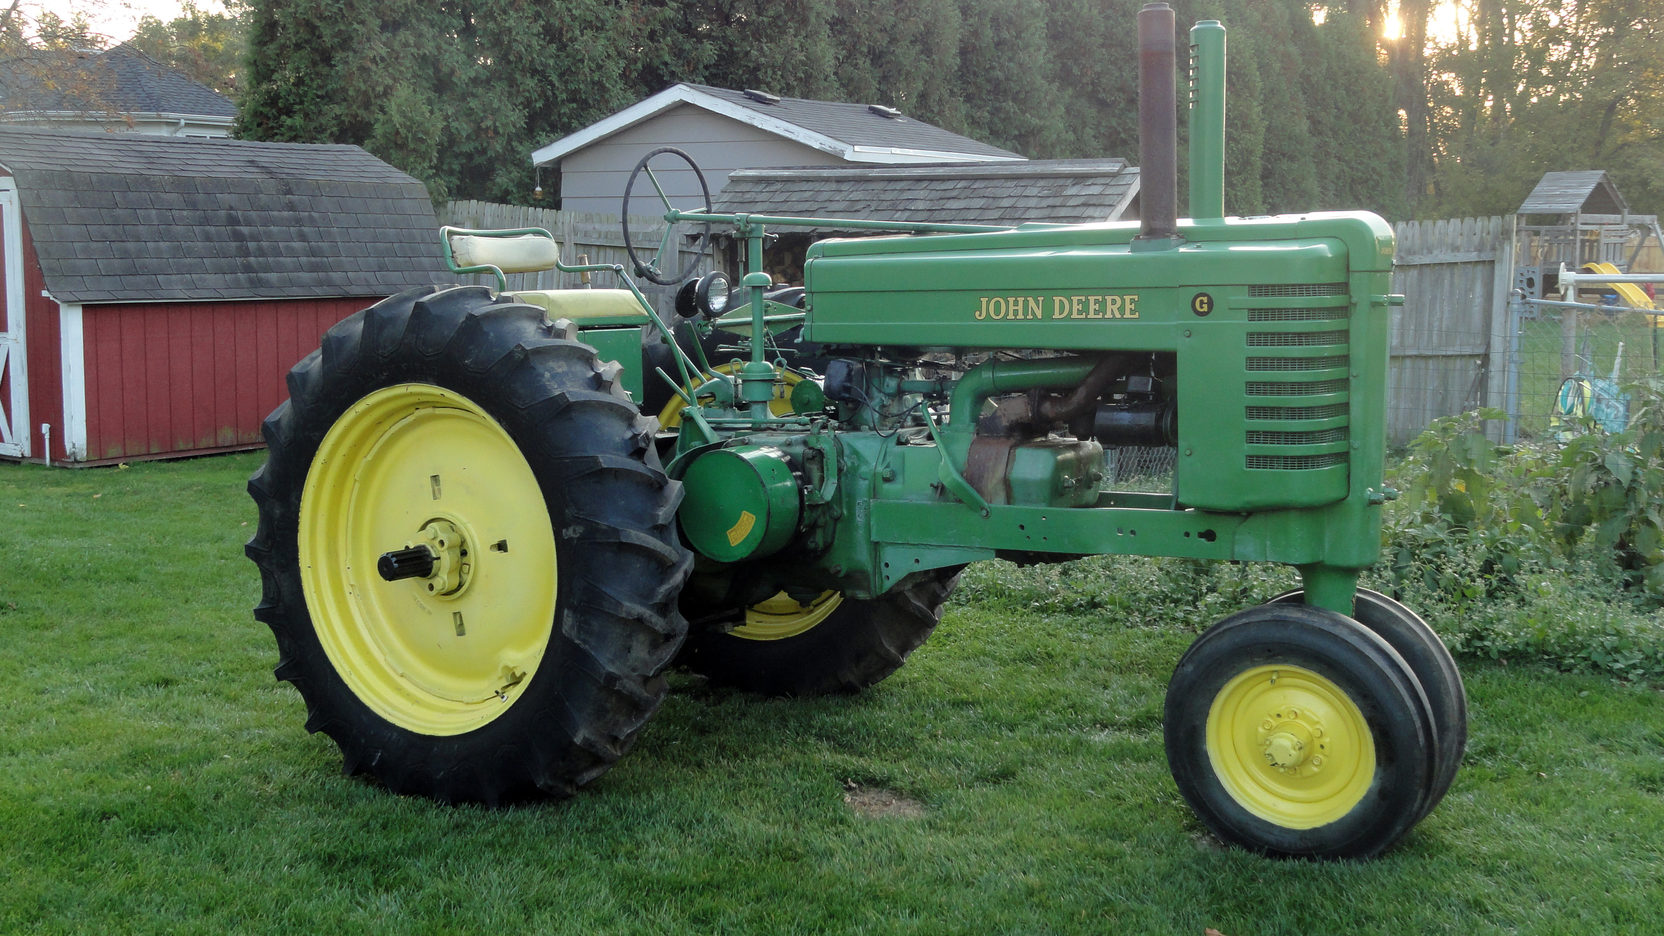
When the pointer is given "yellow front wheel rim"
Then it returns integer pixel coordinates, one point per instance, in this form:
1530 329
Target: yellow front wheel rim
415 464
1290 746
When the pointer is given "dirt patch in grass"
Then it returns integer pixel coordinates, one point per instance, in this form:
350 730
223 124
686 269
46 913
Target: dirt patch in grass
877 802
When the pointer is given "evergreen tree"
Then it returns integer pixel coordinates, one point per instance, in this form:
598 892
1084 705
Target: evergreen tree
1007 92
458 93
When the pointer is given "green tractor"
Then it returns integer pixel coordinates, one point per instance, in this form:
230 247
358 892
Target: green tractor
480 553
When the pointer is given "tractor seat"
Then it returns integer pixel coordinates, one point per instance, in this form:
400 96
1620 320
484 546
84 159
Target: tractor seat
586 306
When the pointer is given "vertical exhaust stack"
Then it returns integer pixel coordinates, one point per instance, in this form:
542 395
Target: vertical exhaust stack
1207 120
1158 129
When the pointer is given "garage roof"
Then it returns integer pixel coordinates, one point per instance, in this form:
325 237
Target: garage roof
1065 191
132 218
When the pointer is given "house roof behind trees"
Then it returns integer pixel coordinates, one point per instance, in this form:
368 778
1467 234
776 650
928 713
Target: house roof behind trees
130 218
121 80
853 132
1064 191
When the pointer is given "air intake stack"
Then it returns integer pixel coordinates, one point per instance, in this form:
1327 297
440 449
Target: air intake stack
1207 120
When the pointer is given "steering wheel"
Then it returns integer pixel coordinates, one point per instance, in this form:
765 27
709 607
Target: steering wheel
653 268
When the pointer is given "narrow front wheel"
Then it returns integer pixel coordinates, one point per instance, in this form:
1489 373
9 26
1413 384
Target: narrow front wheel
1430 661
1292 730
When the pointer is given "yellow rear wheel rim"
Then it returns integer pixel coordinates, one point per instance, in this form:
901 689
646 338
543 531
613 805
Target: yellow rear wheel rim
1290 746
670 417
781 616
417 464
784 616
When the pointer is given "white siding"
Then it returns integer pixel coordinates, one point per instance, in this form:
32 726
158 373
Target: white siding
592 179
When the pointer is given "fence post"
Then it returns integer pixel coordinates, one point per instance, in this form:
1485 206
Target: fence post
1568 340
1501 355
1511 399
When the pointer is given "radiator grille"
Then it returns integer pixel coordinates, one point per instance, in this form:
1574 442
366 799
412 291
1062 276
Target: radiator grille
1313 388
1297 289
1310 316
1295 364
1319 437
1327 314
1298 412
1296 339
1295 462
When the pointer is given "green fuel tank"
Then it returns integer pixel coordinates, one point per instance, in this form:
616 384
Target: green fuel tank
741 503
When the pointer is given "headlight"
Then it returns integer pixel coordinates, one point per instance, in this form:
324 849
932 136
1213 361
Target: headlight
711 294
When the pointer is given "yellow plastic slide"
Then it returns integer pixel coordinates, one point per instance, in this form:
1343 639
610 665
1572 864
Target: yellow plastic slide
1632 295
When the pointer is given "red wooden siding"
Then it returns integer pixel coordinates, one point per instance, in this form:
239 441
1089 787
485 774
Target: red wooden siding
8 365
177 378
41 335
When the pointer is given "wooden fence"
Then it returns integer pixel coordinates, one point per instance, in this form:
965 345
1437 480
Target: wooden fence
1450 339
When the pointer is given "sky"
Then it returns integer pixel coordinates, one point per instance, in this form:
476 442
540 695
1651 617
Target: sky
115 18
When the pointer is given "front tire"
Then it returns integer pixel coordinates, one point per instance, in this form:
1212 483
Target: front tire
529 657
1430 661
1292 730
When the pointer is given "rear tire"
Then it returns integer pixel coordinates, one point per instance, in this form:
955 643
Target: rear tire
843 648
533 662
1295 731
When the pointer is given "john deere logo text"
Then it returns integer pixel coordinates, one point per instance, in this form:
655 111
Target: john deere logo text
1057 307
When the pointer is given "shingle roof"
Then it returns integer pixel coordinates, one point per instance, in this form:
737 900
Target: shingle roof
1590 192
121 80
1057 190
126 217
860 125
855 133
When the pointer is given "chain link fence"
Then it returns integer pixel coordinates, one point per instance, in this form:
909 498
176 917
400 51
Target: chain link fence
1571 364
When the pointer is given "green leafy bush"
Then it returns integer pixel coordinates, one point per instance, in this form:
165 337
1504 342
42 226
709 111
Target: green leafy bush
1573 620
1476 516
1610 492
1549 550
1127 591
1473 515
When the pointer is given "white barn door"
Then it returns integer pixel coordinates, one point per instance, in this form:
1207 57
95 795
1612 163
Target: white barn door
14 374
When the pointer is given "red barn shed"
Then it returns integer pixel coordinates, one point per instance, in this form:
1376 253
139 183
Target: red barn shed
157 289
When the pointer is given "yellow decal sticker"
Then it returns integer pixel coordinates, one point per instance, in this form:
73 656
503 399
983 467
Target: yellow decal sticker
741 529
1013 308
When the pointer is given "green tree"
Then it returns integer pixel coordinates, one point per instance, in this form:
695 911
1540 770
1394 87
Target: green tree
1524 87
1092 53
1008 92
1311 122
1360 148
456 94
459 93
208 47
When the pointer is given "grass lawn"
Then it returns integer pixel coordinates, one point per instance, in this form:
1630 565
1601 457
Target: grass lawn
154 778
